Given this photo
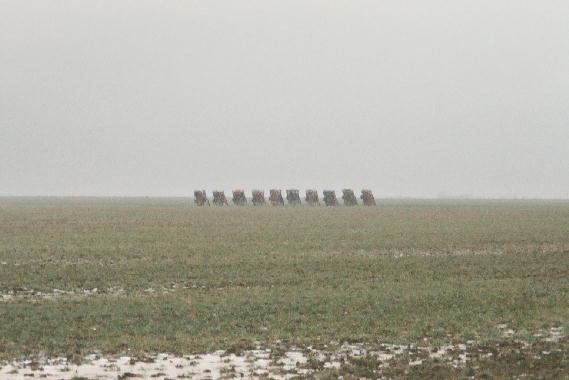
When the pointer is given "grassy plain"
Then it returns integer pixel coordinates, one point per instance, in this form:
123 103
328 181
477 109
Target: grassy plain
171 277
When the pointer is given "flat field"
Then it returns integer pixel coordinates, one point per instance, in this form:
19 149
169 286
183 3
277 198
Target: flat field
145 276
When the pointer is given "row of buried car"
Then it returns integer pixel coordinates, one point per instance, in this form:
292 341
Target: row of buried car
292 197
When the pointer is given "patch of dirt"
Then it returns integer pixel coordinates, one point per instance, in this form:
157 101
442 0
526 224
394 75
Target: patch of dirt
352 360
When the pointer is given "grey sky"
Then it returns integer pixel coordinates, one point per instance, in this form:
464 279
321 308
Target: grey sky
411 98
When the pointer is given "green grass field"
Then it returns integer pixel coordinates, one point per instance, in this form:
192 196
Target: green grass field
171 277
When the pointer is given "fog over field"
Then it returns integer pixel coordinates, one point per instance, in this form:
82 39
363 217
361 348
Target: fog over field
410 98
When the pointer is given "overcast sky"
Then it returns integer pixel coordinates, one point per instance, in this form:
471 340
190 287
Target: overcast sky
410 98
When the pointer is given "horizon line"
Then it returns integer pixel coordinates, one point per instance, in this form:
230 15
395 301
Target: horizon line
400 197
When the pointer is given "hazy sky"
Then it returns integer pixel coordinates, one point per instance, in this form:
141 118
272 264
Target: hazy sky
410 98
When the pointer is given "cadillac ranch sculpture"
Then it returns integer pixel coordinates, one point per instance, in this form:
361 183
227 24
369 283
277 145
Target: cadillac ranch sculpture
239 198
367 197
276 197
293 197
258 198
312 198
200 198
349 197
219 198
330 198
